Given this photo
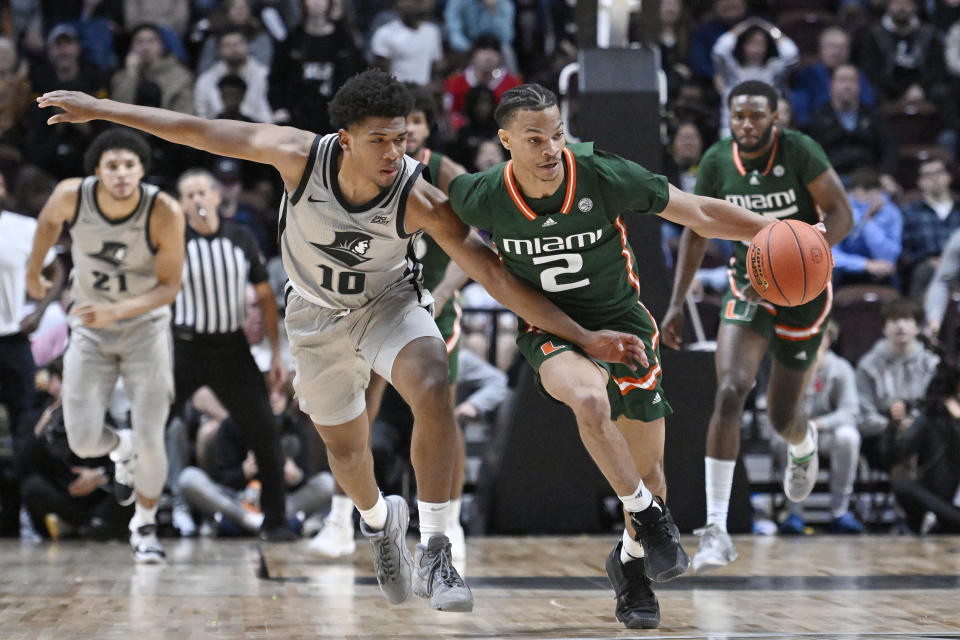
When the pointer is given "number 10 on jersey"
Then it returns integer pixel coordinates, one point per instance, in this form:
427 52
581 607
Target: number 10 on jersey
347 282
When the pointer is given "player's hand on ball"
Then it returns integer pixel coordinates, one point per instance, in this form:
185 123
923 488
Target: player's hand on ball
746 293
77 107
616 347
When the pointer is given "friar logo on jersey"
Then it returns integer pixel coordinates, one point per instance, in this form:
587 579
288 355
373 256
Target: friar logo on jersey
112 253
347 247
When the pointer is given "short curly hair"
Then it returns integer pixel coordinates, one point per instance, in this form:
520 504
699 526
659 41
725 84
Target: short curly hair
371 94
117 138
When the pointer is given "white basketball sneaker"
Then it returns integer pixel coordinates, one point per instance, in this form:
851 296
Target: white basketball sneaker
334 540
801 473
716 549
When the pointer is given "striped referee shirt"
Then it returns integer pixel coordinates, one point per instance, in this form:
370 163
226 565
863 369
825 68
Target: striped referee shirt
213 293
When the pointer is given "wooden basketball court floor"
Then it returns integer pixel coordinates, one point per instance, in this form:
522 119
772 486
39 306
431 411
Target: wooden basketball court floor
878 587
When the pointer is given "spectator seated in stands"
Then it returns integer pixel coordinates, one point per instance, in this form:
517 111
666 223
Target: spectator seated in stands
228 15
60 149
410 46
869 253
64 494
853 134
833 408
931 499
478 124
149 63
810 90
940 289
318 56
892 378
927 226
681 169
234 59
486 69
466 20
753 50
726 14
904 58
489 154
233 489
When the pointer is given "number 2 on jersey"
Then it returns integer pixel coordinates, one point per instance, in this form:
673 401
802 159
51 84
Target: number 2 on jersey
572 262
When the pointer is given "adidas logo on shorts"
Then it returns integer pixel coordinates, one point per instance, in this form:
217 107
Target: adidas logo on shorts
801 356
656 398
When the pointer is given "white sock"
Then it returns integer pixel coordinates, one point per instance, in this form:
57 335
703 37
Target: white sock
143 516
631 549
719 481
433 518
454 514
638 500
376 516
341 510
804 448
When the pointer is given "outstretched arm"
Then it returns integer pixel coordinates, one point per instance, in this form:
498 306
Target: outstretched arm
429 209
284 148
712 217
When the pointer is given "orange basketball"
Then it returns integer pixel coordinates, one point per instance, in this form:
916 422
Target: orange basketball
789 263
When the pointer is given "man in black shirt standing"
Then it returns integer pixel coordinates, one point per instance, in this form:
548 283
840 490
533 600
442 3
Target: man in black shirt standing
209 345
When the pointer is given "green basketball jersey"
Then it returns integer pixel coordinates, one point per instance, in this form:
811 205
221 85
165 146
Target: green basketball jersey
431 256
572 245
773 185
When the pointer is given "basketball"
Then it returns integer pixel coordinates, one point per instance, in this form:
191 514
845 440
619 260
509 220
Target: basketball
789 263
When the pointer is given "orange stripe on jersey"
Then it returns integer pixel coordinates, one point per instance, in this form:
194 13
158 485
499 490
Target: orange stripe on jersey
656 330
648 381
739 296
805 333
548 347
571 181
631 276
738 163
455 334
517 198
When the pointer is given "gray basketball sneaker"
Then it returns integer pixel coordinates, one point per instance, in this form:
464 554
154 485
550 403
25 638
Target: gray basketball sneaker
436 578
146 547
801 473
391 559
716 549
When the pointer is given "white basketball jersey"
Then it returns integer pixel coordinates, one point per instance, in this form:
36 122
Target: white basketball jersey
113 260
342 256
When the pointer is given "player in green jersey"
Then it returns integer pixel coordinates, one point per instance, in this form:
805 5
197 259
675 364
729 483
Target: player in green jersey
781 174
443 278
556 215
365 164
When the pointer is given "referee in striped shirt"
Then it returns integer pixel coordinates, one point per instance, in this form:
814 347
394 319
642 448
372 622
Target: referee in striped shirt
209 344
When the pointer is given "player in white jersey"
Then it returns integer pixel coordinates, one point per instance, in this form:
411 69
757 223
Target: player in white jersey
353 204
127 251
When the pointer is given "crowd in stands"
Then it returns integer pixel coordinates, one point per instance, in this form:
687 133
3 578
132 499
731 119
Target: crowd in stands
875 82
